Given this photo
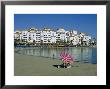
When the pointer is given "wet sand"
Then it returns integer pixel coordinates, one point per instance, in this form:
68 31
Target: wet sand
25 65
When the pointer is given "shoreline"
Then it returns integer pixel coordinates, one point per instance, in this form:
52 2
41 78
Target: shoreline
51 47
25 65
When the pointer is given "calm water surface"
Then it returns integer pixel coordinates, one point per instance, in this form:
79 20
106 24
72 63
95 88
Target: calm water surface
81 54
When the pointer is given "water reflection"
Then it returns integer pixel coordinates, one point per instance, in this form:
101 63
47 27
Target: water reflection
81 54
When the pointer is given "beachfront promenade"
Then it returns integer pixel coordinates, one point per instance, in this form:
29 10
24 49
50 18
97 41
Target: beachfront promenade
25 65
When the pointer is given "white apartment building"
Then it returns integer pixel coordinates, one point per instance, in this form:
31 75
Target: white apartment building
49 36
86 40
61 35
17 35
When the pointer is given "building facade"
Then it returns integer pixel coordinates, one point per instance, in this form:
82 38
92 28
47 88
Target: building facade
47 36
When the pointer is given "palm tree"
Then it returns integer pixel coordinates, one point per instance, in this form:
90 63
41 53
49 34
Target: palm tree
16 42
81 41
34 42
41 42
48 42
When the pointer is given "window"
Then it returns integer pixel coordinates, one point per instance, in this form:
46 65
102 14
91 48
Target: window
57 37
58 34
37 33
24 35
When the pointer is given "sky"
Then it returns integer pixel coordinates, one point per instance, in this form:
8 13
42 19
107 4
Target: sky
81 22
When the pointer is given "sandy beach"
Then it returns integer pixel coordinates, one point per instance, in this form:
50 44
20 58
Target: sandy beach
25 65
